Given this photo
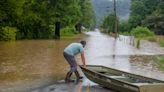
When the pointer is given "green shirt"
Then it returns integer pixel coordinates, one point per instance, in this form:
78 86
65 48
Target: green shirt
74 49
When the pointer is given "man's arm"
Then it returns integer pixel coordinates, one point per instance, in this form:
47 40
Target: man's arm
83 58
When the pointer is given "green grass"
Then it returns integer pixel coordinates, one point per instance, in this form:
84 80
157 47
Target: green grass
152 39
160 63
161 43
68 32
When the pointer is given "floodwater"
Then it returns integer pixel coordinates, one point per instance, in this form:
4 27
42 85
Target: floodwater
29 64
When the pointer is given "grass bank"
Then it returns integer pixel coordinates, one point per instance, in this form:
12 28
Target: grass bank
70 33
160 63
160 40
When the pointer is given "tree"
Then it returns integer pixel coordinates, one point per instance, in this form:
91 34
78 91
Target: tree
109 23
36 19
124 26
155 21
150 5
88 16
137 14
68 12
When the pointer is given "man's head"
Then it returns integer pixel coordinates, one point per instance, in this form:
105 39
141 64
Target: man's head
83 43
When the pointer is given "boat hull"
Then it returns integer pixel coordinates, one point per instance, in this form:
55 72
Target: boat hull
119 83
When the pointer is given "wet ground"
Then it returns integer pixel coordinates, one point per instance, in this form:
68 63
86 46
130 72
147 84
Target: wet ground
71 87
26 65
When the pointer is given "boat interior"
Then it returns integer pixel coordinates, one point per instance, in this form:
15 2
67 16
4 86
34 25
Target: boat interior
123 76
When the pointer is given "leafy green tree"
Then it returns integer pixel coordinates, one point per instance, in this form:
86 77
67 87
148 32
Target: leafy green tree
155 21
88 16
66 12
124 26
108 23
36 19
9 11
150 5
137 14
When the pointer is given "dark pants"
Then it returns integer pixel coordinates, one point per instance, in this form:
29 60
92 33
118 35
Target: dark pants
72 62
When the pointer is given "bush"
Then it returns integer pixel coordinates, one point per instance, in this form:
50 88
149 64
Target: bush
124 26
8 33
68 31
142 32
125 33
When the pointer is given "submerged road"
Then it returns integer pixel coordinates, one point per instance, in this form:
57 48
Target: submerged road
71 87
102 49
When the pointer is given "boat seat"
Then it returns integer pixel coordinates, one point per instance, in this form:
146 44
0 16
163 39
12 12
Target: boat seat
117 77
140 84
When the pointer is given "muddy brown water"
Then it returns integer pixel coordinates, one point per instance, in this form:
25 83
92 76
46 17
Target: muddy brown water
29 64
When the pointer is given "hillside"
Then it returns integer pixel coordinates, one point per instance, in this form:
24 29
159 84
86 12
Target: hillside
103 7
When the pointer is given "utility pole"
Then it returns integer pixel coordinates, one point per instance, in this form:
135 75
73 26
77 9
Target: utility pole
116 21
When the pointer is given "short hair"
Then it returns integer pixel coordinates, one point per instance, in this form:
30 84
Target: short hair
83 42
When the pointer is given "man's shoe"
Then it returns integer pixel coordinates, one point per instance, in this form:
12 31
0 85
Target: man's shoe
81 77
68 80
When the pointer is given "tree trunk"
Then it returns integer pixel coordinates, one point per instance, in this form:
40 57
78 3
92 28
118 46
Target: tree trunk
78 27
57 30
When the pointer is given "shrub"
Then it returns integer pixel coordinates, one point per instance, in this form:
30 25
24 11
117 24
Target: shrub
142 32
8 33
68 31
125 33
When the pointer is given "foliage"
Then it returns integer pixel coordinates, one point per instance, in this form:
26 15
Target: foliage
109 22
125 33
68 31
155 21
8 34
149 13
161 59
124 27
88 19
142 32
161 43
160 62
35 19
138 11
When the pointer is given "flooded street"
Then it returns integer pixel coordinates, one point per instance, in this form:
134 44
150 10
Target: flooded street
109 52
29 64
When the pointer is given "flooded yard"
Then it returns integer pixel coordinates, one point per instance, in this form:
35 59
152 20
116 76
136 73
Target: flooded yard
28 64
